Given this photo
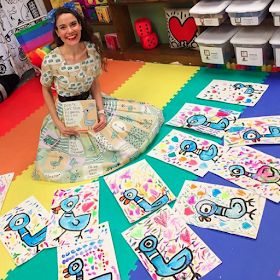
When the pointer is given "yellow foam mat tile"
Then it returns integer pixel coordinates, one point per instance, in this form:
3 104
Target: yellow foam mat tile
156 83
20 189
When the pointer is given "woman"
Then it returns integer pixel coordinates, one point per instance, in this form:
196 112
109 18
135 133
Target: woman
124 128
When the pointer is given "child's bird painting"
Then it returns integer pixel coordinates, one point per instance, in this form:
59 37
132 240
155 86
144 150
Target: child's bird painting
23 230
74 214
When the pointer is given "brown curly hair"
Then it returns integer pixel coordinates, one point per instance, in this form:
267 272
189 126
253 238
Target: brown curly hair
87 34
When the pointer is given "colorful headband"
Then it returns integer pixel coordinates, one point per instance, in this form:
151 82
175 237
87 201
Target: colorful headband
68 5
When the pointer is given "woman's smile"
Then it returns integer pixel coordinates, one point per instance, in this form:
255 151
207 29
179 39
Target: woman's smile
68 29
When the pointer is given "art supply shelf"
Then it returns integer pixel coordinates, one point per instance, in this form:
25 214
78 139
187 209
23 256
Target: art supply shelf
130 49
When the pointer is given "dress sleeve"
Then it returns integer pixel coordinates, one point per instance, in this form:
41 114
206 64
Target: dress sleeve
46 75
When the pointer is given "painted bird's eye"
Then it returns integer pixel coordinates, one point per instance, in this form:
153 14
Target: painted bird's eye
70 203
251 135
235 171
75 266
129 195
148 243
19 222
206 208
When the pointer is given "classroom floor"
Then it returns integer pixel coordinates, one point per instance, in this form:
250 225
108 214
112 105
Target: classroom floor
167 87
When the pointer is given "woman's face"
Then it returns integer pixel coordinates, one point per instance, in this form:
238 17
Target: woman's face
68 29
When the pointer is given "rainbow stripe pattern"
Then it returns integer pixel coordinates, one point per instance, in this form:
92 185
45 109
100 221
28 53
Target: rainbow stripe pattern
35 36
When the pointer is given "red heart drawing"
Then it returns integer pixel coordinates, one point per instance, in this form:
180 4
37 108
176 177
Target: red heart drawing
87 206
186 237
183 32
222 114
188 211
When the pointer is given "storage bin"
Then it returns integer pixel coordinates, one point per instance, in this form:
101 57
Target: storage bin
251 12
210 12
214 44
275 11
252 46
275 43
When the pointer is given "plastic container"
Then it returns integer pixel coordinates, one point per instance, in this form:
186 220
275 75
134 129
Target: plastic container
275 11
210 12
251 12
252 46
214 44
275 43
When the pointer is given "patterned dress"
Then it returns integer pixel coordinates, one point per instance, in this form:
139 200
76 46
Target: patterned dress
131 126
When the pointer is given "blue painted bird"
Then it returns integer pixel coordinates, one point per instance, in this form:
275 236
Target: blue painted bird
249 88
87 111
255 136
132 195
18 223
68 221
177 264
189 146
264 174
237 209
197 120
75 268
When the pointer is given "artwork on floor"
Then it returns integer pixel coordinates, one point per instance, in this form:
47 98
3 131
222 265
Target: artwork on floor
251 131
5 181
139 190
182 29
241 93
223 208
23 230
251 169
205 119
90 260
74 215
168 248
185 151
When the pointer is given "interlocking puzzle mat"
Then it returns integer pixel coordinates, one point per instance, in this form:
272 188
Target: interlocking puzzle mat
142 81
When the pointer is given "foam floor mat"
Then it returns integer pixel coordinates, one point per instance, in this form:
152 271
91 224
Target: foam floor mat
168 87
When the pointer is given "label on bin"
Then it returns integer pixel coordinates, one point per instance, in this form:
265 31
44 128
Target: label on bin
276 20
277 57
244 20
211 55
249 56
207 21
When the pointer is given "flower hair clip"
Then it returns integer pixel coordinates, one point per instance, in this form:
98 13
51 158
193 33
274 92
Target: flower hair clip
68 5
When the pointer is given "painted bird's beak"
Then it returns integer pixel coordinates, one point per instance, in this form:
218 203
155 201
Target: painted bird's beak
206 219
67 275
124 200
7 228
56 209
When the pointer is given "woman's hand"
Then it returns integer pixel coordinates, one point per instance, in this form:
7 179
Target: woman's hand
65 131
101 123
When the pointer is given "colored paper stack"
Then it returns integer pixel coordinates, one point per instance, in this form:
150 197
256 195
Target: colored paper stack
35 36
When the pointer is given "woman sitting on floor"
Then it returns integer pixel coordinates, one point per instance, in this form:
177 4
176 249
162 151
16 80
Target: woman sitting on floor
124 129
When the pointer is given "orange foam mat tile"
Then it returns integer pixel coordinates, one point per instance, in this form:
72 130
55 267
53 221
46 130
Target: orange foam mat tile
29 95
24 101
118 71
18 147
